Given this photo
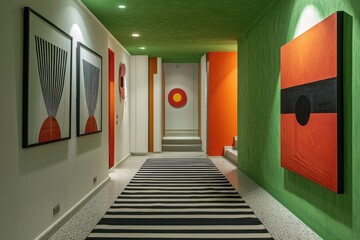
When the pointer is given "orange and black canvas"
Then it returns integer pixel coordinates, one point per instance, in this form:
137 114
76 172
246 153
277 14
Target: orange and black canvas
312 104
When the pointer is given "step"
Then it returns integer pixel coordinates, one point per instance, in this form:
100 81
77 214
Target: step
231 154
235 143
181 132
181 140
181 147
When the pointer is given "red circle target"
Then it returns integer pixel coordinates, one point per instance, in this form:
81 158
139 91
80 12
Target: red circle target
177 98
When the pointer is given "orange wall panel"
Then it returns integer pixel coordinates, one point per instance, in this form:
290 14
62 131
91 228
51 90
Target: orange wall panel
111 108
152 71
199 100
222 101
163 98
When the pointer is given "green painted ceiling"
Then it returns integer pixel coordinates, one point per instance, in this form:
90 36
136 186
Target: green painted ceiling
178 30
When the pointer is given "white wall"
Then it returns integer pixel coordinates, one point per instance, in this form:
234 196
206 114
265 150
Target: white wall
204 102
34 180
122 107
186 78
139 104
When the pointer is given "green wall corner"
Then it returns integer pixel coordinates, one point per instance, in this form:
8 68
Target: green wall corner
332 216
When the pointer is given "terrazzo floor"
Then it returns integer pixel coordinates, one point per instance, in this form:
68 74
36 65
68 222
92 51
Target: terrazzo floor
280 222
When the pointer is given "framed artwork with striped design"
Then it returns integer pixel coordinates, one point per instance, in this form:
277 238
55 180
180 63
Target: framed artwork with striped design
89 88
46 81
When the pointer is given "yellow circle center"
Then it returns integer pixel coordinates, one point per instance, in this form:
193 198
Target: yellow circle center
177 97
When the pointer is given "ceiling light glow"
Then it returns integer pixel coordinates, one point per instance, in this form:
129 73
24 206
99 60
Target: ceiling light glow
122 6
135 35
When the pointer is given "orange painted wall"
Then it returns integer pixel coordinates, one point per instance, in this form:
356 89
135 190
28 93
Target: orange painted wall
152 71
111 108
222 101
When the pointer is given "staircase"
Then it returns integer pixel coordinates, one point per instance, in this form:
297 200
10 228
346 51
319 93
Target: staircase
230 152
181 144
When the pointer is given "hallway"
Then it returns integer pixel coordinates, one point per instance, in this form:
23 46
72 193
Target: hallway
280 223
91 89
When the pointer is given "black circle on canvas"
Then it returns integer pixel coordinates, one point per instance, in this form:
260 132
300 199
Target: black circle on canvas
302 110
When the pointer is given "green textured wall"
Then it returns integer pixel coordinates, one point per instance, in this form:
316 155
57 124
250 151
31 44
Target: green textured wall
331 215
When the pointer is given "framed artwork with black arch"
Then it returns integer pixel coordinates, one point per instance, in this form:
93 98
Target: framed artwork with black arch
46 81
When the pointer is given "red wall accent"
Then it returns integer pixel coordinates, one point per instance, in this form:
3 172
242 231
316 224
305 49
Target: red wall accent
222 104
111 107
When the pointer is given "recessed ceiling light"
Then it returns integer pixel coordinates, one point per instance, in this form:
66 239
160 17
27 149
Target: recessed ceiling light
122 6
142 48
135 35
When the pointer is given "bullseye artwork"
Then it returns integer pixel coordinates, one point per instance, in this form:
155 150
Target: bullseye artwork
89 71
177 98
312 104
47 81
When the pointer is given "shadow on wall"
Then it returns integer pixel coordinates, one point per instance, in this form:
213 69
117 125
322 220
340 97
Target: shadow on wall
39 157
355 128
88 143
264 99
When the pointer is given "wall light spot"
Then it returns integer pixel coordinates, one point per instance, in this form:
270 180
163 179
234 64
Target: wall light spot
309 17
76 33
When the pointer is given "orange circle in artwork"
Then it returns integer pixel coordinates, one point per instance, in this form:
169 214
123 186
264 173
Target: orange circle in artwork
177 98
91 125
50 130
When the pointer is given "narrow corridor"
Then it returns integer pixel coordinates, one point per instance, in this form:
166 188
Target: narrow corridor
281 223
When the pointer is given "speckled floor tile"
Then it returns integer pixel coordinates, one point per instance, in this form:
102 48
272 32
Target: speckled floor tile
287 226
81 224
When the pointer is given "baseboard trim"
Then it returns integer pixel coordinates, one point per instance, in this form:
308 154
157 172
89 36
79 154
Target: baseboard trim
62 220
121 161
139 154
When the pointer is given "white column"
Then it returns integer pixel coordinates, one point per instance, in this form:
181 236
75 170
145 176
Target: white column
139 104
204 102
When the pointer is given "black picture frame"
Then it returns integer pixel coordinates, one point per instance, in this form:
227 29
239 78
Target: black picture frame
47 71
88 91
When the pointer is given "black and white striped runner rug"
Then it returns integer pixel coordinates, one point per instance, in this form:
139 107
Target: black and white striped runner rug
179 198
